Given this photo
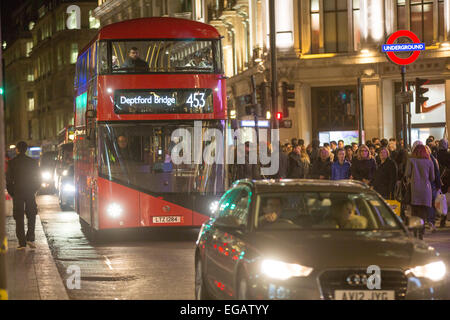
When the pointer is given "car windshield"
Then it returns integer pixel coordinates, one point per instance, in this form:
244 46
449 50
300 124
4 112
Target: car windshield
330 211
161 56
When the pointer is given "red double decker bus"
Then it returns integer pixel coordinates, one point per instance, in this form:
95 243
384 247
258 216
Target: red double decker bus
136 83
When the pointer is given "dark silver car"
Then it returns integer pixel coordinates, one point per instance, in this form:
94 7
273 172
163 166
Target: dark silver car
312 239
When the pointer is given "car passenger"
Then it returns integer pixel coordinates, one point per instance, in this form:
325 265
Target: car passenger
343 216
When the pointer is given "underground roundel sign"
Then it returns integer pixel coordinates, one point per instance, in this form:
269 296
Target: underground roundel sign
390 48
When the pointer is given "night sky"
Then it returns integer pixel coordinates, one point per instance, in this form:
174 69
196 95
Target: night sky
7 8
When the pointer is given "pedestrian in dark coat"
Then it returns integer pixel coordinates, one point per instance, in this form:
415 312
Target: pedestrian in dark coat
443 158
363 165
340 169
385 176
321 169
283 167
420 170
22 183
435 188
314 155
298 165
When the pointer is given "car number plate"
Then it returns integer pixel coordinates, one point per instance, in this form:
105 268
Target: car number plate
364 295
167 219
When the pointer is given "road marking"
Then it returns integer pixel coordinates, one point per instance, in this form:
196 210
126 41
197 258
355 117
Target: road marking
108 262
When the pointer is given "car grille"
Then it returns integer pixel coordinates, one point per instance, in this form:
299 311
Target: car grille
331 280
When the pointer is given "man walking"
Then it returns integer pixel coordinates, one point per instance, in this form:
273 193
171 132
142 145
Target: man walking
22 183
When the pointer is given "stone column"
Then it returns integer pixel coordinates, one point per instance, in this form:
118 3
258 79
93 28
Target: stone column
372 113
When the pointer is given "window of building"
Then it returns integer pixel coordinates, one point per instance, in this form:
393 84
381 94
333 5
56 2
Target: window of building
401 15
441 29
30 74
94 23
422 19
60 22
334 14
335 26
30 101
29 48
356 25
315 26
73 53
30 130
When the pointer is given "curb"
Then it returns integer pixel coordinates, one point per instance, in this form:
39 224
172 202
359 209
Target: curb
50 283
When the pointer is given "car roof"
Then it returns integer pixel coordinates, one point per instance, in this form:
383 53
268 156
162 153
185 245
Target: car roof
283 185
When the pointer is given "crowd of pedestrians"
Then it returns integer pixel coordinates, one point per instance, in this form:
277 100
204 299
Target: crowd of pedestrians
414 176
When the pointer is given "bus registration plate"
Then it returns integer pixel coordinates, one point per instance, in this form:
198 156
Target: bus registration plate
167 219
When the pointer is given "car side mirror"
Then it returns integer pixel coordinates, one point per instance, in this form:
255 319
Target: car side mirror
415 223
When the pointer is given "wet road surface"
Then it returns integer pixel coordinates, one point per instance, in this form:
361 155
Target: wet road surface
140 265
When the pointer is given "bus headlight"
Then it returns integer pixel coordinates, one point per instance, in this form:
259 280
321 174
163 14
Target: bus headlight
46 175
114 210
69 188
281 270
214 206
434 271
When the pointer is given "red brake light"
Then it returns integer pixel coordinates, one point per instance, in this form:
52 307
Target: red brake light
279 115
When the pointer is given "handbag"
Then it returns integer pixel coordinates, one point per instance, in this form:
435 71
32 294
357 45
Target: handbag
440 203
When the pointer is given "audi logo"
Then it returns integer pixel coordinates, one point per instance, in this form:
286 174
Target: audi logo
357 279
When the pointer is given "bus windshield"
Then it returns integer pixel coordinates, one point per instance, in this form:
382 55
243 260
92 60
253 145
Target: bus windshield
161 56
139 155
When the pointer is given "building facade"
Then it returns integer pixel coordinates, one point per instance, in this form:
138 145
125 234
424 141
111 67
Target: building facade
40 68
323 47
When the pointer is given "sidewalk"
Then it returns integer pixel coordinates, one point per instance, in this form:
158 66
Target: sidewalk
32 274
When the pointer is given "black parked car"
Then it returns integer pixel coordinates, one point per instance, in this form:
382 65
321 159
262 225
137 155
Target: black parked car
312 239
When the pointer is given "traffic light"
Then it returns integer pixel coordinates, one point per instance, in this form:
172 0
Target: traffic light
279 116
245 102
1 90
288 92
420 99
263 98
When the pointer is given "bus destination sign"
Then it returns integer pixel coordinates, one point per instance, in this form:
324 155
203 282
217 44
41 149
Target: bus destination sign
158 101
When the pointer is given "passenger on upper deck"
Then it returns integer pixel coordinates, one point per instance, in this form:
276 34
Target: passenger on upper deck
134 62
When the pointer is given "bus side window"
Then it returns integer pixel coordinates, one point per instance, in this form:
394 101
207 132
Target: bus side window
102 53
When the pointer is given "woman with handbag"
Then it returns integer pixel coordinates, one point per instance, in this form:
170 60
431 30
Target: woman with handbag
420 171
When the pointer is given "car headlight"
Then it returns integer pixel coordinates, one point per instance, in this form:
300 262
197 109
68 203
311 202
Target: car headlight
46 175
114 210
65 172
281 270
434 271
68 187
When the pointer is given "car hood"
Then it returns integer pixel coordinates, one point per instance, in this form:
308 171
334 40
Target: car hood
328 249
